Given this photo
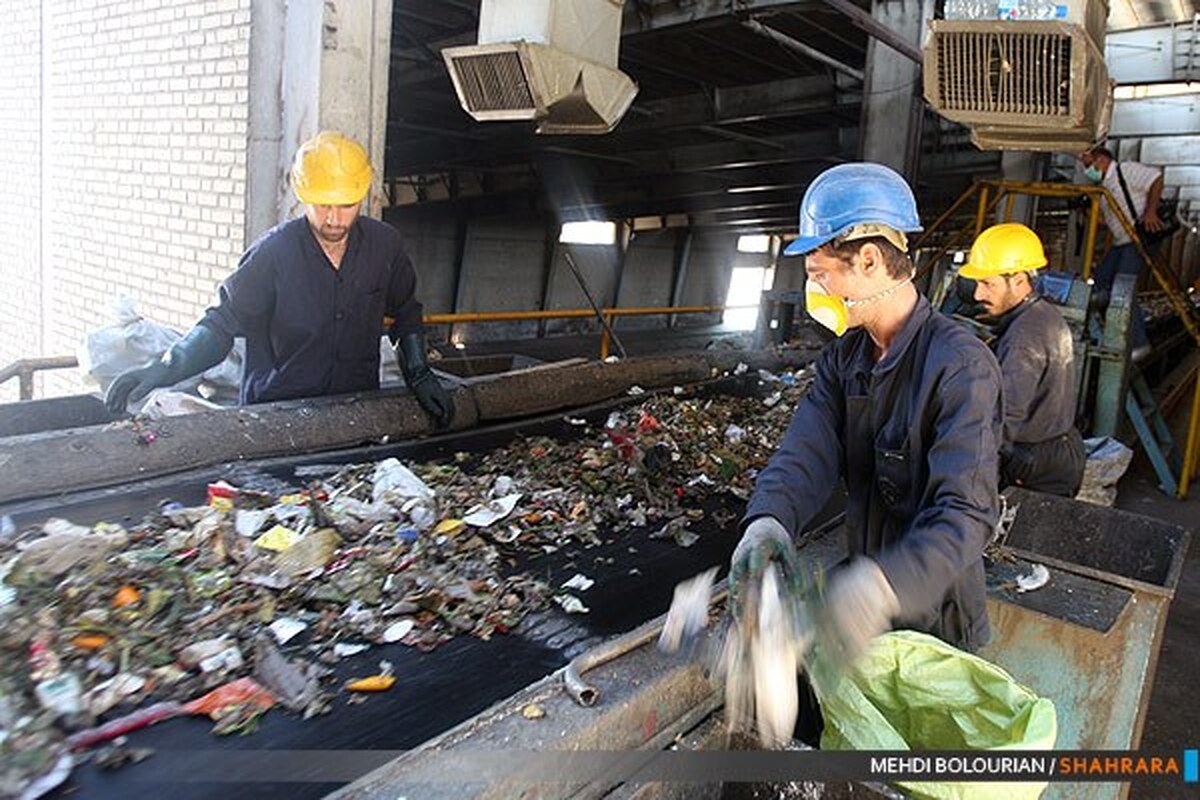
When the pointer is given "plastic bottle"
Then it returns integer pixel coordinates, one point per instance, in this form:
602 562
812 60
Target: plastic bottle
971 9
1029 10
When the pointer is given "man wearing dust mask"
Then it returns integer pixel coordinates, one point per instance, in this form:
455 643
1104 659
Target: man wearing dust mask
905 409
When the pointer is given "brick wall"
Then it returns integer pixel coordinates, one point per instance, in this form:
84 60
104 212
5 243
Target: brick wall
20 267
145 108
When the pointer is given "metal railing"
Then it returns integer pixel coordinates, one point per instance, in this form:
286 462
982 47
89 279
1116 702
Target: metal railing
24 369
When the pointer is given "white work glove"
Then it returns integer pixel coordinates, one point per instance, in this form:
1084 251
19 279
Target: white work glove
860 606
764 541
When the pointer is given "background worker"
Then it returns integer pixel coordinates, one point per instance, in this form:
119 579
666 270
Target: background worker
310 297
904 408
1136 188
1041 449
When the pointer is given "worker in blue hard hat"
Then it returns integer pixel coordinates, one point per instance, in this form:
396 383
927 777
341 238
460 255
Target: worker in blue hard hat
1041 449
904 408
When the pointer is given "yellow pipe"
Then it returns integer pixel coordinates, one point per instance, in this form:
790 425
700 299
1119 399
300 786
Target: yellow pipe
981 212
987 209
1047 189
1192 451
1089 243
949 212
567 313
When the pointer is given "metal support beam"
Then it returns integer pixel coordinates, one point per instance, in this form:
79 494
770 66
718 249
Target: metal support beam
461 228
646 17
549 253
797 46
741 137
787 98
683 253
624 237
878 30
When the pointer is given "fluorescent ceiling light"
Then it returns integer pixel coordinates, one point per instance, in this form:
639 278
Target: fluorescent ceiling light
756 243
590 232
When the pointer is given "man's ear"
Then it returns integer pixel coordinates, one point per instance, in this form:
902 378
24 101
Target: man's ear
870 259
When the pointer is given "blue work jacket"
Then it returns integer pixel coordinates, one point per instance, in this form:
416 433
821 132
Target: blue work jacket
311 329
915 436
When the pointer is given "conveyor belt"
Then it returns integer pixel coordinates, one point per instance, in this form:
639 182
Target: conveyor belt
435 690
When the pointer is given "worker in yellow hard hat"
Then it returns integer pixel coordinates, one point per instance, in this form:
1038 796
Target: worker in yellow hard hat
310 298
1042 449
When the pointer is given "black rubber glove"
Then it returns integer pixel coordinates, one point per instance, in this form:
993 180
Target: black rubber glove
199 350
433 397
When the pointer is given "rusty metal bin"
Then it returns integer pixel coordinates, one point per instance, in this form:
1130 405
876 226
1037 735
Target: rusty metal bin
1089 639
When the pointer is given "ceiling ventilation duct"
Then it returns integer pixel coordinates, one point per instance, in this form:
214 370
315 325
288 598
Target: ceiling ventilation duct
1031 76
550 61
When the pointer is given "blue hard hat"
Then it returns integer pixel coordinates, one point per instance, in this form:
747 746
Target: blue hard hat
853 194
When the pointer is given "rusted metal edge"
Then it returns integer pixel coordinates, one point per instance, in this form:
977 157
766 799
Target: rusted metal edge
55 462
655 700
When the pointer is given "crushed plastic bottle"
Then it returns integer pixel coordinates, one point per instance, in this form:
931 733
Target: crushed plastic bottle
1006 10
971 9
1028 10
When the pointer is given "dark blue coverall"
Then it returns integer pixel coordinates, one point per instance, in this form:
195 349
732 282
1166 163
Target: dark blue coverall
1042 450
311 329
916 438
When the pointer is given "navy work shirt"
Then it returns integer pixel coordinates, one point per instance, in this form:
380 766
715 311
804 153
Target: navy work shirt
311 329
1037 358
916 438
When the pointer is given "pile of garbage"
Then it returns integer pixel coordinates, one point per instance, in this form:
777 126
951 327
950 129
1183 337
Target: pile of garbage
230 608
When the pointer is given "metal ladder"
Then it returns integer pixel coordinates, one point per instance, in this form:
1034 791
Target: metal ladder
1153 432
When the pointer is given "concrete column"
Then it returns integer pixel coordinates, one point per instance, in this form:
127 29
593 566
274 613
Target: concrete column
314 66
265 172
892 104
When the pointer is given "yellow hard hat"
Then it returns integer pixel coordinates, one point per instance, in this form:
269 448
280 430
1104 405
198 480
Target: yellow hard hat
1004 249
331 169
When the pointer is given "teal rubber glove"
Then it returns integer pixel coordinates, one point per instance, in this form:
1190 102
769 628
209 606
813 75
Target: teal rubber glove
764 541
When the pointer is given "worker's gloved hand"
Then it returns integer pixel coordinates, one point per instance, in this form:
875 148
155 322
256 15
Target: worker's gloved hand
199 350
136 384
860 605
432 396
764 541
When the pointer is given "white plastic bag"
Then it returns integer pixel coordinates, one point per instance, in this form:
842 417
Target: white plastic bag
170 403
128 343
133 341
1107 460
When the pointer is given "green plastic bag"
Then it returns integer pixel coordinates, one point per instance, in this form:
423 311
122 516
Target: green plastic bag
912 691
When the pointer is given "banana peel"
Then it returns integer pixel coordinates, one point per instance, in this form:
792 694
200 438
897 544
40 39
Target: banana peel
374 683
